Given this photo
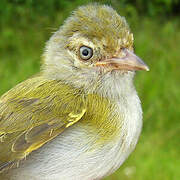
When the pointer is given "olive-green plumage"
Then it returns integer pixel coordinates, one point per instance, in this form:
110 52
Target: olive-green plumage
39 109
94 20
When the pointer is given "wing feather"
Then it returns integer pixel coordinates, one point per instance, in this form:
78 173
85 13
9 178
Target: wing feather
33 113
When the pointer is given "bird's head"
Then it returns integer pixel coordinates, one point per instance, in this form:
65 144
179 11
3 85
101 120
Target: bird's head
93 43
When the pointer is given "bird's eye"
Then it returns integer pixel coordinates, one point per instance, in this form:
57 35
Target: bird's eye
85 52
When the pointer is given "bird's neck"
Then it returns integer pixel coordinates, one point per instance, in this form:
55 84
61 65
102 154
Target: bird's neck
112 85
115 85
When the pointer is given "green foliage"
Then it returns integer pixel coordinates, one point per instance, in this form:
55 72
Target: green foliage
155 7
13 10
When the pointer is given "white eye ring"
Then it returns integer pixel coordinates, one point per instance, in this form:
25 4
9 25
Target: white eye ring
85 52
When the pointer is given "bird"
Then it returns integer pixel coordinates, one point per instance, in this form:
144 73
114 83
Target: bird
80 117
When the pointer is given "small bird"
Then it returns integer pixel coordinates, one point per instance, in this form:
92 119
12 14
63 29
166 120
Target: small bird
80 117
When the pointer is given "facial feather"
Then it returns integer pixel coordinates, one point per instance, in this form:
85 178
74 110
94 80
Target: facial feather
86 27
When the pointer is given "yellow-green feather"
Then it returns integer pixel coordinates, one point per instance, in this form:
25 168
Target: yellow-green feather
97 22
39 109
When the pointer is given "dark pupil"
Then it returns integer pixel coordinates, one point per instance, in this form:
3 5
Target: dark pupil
85 52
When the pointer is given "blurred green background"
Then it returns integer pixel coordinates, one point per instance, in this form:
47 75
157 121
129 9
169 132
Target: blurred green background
25 26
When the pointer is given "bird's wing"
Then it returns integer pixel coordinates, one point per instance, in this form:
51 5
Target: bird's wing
33 113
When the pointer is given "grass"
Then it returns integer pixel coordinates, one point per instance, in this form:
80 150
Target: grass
157 42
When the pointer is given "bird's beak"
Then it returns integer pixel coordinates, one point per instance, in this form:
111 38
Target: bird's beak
129 62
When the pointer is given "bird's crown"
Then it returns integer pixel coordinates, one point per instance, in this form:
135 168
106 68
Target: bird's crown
99 23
